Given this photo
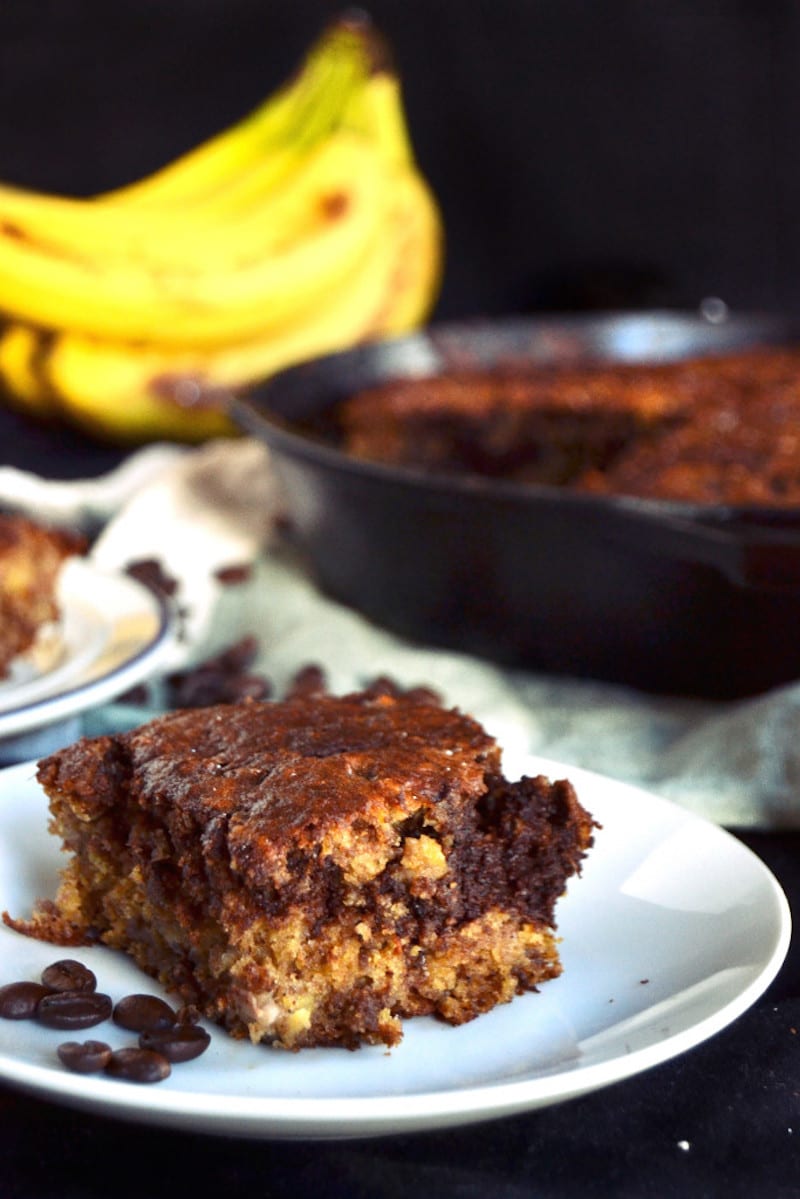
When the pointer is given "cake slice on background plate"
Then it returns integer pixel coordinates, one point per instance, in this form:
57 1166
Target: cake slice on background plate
32 555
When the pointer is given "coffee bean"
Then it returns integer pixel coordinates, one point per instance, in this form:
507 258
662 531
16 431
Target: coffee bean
69 975
224 678
19 1001
244 686
178 1044
84 1057
73 1009
138 1065
231 575
137 697
309 680
235 657
144 1013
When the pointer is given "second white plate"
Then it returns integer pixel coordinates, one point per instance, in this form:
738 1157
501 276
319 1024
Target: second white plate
113 633
672 931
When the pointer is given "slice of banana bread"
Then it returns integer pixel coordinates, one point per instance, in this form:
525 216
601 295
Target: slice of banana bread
312 871
31 558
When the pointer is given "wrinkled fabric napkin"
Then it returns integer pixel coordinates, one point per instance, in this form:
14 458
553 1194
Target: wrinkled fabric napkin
199 511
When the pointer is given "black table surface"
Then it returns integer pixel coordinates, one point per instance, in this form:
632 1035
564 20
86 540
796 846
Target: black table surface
721 1119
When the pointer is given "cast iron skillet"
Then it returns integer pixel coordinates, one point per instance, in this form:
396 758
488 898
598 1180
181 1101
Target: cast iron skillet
667 597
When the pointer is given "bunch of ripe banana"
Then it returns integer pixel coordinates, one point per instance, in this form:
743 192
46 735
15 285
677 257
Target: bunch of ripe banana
302 229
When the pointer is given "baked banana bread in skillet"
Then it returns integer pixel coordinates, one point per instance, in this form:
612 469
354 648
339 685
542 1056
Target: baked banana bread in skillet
720 429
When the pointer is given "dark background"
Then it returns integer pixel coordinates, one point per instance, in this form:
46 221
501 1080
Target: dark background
621 153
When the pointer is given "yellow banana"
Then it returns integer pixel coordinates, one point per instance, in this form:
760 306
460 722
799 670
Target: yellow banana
205 171
417 236
125 392
414 222
241 206
201 303
305 228
190 244
376 111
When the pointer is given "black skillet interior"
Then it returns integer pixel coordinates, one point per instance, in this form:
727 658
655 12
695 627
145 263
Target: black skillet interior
688 599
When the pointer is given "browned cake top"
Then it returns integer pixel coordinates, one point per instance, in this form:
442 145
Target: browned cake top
715 429
288 773
650 393
386 817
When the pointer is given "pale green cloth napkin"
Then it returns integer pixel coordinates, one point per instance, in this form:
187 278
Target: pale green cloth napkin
196 510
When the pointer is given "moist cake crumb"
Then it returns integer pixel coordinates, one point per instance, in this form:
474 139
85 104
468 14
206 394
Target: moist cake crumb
312 872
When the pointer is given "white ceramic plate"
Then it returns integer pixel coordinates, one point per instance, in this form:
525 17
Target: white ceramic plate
673 930
112 633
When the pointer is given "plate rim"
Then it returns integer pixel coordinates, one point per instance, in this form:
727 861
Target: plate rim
287 1117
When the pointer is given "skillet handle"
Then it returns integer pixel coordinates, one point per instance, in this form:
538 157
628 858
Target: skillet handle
759 556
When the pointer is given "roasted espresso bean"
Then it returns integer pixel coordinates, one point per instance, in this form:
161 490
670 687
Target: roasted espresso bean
73 1009
178 1044
232 575
137 697
237 656
19 1001
308 681
152 573
144 1013
138 1065
237 687
84 1057
69 975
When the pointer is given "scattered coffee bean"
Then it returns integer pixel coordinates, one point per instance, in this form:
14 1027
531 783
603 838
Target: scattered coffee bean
69 975
151 572
224 678
239 655
244 686
234 574
19 1001
384 684
66 998
73 1009
178 1044
311 680
138 696
144 1013
84 1057
207 687
308 681
138 1065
